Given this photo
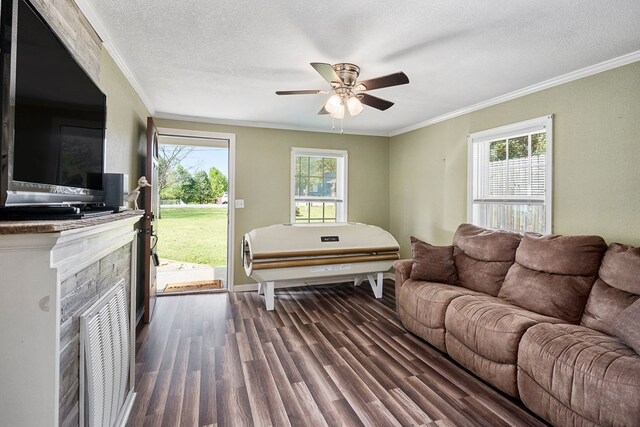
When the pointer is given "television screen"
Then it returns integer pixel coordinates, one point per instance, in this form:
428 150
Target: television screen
59 111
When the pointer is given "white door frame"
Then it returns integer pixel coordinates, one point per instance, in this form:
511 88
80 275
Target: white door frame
231 226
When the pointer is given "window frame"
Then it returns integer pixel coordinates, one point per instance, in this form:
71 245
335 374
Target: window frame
511 131
342 157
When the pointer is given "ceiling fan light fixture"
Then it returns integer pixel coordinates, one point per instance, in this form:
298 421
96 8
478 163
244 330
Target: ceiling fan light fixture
339 114
333 104
347 93
354 105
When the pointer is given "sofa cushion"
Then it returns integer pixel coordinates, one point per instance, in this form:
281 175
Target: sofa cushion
485 244
422 307
501 375
617 287
627 326
604 305
594 375
621 268
555 295
482 276
483 257
489 330
572 255
553 275
432 263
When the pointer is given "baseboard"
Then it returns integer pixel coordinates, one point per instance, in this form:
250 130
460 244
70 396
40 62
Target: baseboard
251 287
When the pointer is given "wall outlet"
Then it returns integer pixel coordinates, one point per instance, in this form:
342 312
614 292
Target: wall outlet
239 203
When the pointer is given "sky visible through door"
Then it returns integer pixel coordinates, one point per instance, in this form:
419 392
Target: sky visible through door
205 158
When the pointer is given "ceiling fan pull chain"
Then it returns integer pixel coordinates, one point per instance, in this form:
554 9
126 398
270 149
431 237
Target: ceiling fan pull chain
333 124
342 125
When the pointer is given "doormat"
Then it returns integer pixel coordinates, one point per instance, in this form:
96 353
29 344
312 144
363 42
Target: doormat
195 285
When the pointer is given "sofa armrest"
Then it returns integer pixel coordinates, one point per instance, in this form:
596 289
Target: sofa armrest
402 268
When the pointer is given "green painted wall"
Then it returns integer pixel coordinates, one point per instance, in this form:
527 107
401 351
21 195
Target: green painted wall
126 136
596 169
263 175
126 121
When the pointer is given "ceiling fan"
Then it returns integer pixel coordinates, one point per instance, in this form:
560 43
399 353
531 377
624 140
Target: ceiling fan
347 92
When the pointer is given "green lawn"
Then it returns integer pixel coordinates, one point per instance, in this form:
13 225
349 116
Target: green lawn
196 235
302 211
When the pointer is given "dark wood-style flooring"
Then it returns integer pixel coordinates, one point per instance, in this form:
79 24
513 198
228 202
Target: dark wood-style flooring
325 356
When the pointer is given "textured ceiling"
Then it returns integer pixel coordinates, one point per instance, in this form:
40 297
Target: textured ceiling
221 61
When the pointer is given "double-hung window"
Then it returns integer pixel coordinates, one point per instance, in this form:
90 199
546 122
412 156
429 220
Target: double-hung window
318 186
510 176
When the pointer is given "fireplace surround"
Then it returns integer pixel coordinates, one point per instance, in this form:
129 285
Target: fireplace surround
52 272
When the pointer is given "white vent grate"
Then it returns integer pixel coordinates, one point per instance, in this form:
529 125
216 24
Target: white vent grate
104 357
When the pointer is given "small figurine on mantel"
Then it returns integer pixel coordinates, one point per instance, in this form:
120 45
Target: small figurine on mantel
133 196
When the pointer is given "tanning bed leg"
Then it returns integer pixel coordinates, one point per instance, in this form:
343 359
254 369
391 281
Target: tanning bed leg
358 280
376 285
260 288
269 296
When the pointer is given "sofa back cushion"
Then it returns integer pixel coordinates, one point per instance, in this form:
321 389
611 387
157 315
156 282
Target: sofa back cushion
432 263
483 257
617 287
627 326
621 268
553 274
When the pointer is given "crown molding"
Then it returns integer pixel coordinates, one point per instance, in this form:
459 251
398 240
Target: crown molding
278 126
546 84
107 41
94 19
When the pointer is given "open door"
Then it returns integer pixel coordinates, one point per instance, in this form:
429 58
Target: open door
151 208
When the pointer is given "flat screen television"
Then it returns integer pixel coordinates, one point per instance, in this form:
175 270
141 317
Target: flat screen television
53 116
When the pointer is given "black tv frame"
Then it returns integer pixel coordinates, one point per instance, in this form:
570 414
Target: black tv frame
21 193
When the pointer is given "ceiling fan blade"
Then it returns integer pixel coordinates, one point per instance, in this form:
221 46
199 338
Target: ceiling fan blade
375 102
394 79
323 111
300 92
327 72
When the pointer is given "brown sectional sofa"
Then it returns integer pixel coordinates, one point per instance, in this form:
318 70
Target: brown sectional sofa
552 320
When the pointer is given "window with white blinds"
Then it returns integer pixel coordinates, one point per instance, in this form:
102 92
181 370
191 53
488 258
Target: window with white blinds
510 176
